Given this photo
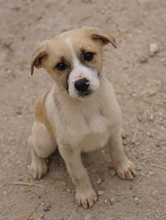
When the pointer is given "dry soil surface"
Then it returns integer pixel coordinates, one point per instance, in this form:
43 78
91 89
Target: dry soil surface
137 76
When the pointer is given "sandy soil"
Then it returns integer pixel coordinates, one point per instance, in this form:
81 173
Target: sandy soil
134 72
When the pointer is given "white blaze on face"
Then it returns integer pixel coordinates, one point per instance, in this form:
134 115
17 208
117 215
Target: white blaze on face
80 71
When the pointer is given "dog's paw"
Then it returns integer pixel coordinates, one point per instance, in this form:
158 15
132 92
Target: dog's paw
39 168
126 169
87 199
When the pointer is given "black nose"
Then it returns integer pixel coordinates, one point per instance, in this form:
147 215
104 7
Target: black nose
82 85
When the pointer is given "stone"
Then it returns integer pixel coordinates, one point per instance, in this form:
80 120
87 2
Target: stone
46 209
153 49
139 118
150 173
158 144
136 200
143 60
100 193
20 178
125 67
68 190
112 172
90 217
8 71
102 11
99 181
139 168
151 117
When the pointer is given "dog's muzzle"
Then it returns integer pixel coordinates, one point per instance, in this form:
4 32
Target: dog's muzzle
82 86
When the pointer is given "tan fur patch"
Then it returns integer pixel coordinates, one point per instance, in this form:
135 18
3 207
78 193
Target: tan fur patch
41 116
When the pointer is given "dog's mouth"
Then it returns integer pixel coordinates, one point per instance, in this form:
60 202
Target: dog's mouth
82 95
85 95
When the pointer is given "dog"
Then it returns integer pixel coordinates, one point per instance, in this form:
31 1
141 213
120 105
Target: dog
79 113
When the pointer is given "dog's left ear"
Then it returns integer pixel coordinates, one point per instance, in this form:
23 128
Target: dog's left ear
100 35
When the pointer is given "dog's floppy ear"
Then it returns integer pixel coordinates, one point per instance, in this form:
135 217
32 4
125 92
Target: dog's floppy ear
98 34
38 55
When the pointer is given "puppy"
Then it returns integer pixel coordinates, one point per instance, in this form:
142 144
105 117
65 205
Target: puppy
80 112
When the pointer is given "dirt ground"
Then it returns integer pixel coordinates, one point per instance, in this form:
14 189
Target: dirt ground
137 76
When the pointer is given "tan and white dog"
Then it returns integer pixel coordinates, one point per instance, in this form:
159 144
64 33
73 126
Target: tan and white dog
80 112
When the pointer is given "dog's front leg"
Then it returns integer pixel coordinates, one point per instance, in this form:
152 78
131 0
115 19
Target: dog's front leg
124 167
85 195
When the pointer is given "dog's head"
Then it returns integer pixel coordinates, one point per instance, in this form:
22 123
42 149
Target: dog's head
74 59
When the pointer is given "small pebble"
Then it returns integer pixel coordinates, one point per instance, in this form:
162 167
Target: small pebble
150 173
137 143
158 144
163 128
25 87
90 217
41 216
102 11
125 67
9 71
151 117
143 60
99 181
100 193
139 168
112 172
20 178
68 190
149 134
18 112
46 209
139 118
132 142
109 5
153 49
136 200
112 200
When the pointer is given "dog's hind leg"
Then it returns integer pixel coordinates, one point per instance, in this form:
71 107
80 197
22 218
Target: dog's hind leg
42 146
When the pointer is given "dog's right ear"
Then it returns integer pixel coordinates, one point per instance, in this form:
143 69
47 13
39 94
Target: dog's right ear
39 54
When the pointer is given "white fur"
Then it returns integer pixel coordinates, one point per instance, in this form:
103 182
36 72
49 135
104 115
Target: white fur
80 71
88 121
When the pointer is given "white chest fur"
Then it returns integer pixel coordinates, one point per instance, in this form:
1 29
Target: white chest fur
85 123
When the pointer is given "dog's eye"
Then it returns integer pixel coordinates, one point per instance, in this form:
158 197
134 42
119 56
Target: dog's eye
88 56
61 66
